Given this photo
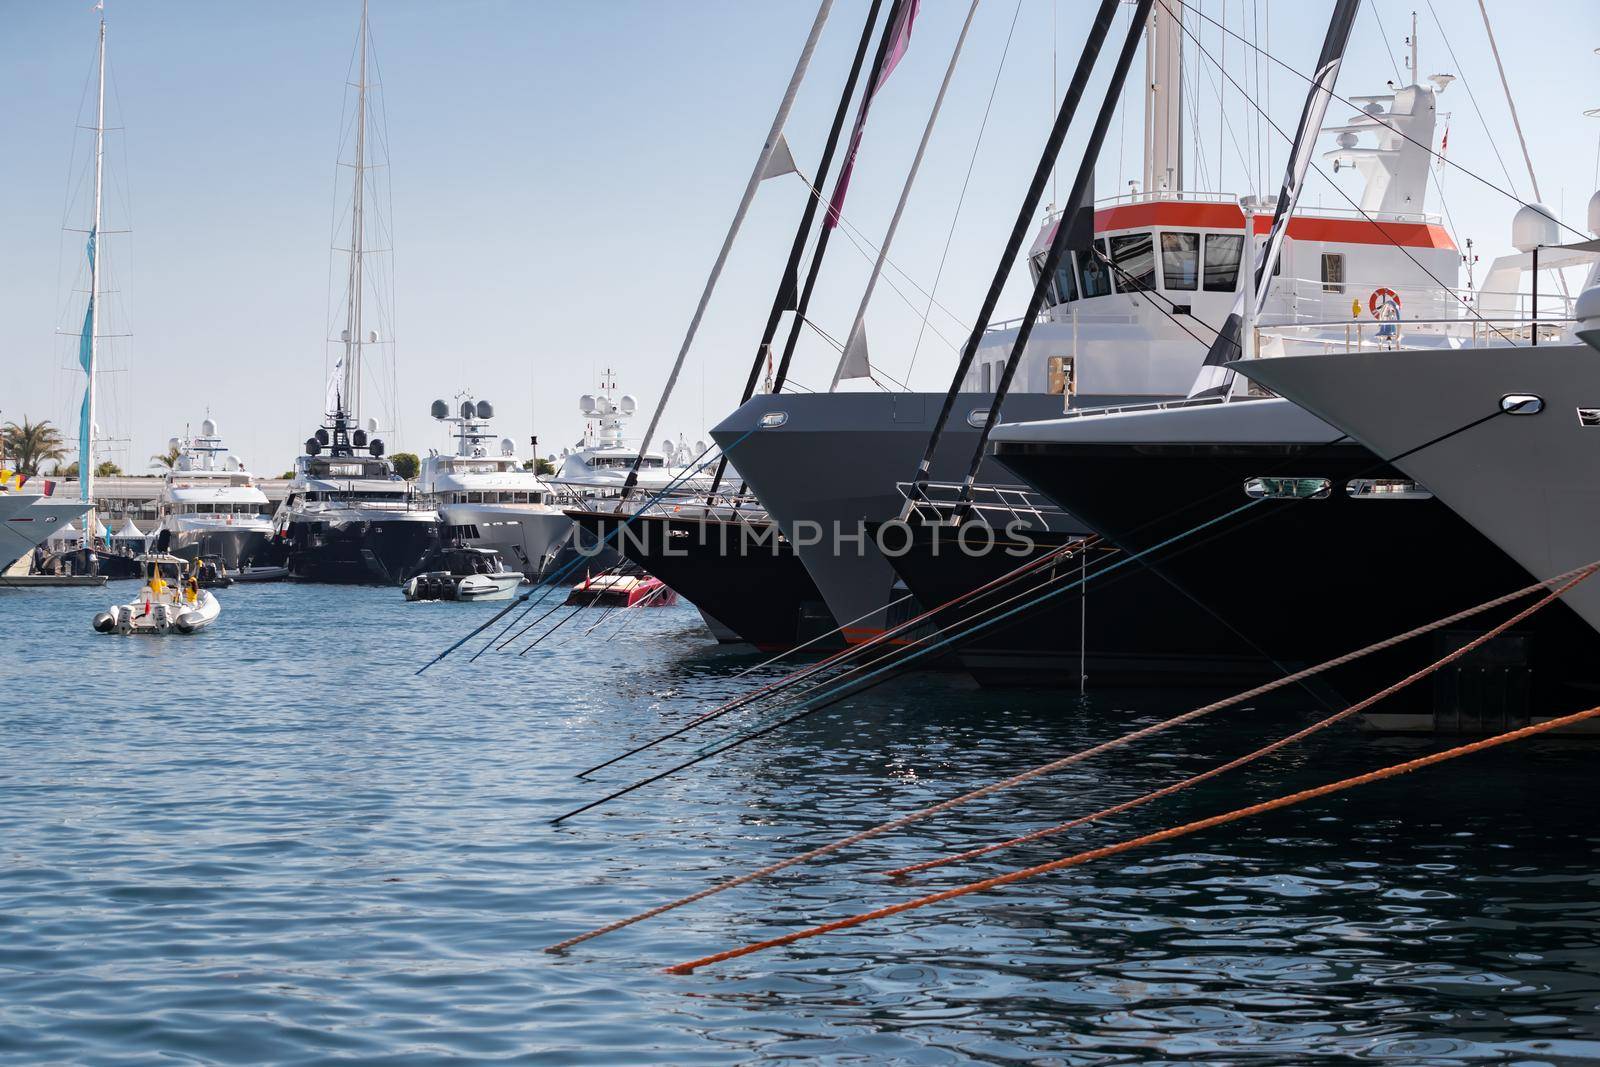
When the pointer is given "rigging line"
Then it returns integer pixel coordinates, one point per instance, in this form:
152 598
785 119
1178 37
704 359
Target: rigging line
961 199
1465 304
1043 769
1266 750
869 250
550 583
543 590
1494 144
1140 287
913 654
1223 123
1080 858
1379 119
1185 85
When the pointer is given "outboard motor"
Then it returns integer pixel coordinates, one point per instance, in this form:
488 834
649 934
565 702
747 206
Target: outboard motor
104 623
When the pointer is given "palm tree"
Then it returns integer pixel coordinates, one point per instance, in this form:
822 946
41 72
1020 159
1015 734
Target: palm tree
167 459
30 444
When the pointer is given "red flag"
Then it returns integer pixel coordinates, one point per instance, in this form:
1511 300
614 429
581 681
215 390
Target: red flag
899 41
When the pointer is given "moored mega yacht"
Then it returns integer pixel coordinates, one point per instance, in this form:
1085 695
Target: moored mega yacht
29 515
484 495
1311 541
1500 429
348 517
210 504
1127 319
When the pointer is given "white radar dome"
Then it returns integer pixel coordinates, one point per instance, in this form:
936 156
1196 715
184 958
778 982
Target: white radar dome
508 447
629 404
1594 213
1534 225
372 426
208 428
172 443
586 404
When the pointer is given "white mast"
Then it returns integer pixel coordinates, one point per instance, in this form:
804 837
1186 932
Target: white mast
1163 99
92 327
352 331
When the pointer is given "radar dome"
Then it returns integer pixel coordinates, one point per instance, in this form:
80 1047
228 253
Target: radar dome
586 404
372 425
699 446
376 447
485 410
313 446
508 447
172 443
468 409
439 410
1594 214
629 404
208 428
1534 225
321 436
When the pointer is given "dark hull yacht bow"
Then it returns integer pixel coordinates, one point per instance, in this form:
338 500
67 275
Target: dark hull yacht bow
739 572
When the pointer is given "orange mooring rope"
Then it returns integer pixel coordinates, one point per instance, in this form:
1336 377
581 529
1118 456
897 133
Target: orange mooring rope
1054 765
1266 750
1148 839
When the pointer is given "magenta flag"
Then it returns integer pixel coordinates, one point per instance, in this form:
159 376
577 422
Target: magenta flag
899 41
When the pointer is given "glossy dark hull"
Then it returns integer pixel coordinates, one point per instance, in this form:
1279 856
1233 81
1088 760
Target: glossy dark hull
1306 580
376 552
233 547
1134 628
742 574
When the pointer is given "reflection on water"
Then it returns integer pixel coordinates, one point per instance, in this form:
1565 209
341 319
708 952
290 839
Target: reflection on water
273 842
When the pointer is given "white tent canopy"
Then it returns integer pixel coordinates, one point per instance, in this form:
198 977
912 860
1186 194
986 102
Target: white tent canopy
130 532
67 531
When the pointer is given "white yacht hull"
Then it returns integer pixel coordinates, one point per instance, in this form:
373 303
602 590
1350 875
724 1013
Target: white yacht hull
528 537
27 520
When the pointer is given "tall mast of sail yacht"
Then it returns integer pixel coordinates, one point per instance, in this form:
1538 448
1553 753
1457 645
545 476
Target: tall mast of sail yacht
352 330
91 324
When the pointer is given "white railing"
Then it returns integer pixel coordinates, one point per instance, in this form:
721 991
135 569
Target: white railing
1368 335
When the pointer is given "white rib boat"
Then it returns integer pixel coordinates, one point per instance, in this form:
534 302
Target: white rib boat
170 601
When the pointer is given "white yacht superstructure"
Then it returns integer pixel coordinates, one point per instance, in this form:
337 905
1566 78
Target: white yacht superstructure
486 498
211 505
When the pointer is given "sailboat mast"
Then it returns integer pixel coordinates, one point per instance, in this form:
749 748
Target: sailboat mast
86 457
352 332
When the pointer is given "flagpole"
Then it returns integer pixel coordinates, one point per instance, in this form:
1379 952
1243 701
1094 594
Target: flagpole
767 148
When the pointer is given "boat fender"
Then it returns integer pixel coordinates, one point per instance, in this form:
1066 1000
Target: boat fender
104 623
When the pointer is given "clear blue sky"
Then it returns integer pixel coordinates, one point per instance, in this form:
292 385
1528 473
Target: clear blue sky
562 173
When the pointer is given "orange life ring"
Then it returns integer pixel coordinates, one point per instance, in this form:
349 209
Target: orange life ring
1383 296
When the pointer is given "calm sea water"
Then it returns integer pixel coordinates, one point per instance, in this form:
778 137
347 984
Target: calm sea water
271 842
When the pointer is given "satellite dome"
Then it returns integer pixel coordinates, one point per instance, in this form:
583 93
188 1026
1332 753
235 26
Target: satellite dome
508 447
1348 139
172 443
1534 225
699 446
208 428
629 404
321 436
1594 213
485 410
468 410
586 404
372 426
439 410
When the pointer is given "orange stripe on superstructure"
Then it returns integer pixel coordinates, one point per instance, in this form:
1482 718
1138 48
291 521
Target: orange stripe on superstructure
1210 216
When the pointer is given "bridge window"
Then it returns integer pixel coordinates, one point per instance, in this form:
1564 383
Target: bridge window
1135 259
1333 272
1066 283
1096 275
1180 260
1223 251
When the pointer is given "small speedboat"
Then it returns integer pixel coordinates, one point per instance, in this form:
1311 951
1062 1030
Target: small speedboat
170 601
460 573
212 572
622 591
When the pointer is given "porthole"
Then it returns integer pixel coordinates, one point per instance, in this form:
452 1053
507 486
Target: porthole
1521 404
1287 488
